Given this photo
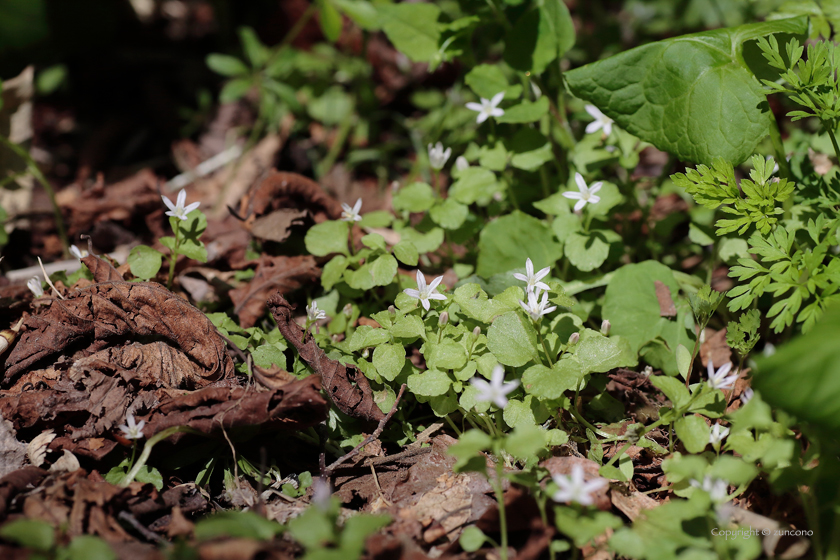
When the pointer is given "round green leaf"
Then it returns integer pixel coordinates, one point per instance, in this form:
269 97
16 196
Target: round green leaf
429 383
388 359
226 65
512 340
327 237
144 262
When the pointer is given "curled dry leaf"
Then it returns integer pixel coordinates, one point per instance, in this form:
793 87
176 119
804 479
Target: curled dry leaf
66 463
273 273
666 301
346 386
36 451
289 190
110 311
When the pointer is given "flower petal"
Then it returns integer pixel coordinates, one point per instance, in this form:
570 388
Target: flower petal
593 111
435 283
482 116
581 183
182 198
191 207
497 99
517 275
411 292
593 199
496 112
435 295
421 281
596 187
579 205
425 303
594 126
472 106
572 194
168 203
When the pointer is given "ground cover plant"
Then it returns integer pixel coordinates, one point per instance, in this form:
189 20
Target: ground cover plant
348 279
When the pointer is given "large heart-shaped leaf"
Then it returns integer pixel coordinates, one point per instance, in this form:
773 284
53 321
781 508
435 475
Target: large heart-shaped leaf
693 96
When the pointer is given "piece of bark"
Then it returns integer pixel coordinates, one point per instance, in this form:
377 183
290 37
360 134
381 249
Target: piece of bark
666 302
346 386
273 273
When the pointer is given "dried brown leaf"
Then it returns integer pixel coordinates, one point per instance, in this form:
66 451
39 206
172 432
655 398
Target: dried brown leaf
290 190
346 386
666 302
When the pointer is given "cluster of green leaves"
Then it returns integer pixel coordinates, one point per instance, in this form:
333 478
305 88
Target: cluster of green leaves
40 538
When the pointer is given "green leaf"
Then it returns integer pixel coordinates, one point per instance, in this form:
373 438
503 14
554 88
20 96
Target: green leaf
357 529
374 241
406 253
599 354
38 535
583 527
803 376
330 21
412 28
673 388
589 251
512 339
560 21
630 301
683 360
269 355
429 383
361 12
332 108
327 237
525 112
486 80
334 271
416 197
692 96
525 440
504 244
50 79
237 524
531 44
471 539
550 383
446 355
474 184
693 432
468 449
235 89
409 326
530 149
88 547
226 65
388 359
144 261
475 304
450 214
255 51
379 272
425 242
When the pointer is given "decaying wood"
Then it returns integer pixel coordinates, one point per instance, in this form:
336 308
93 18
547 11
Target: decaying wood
346 386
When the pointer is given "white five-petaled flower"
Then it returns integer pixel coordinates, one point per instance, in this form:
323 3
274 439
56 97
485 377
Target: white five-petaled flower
497 390
720 379
423 292
533 280
601 121
178 210
747 395
313 313
717 435
438 156
34 285
535 308
132 430
487 108
575 489
351 214
717 488
78 253
586 194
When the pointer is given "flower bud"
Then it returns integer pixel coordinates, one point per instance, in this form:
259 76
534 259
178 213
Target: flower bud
605 327
444 318
392 310
476 332
461 163
365 352
648 371
574 338
348 310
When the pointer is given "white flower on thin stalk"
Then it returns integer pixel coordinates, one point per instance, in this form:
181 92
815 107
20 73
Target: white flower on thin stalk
721 379
423 292
34 285
351 214
438 156
178 210
532 279
537 308
717 435
79 253
575 489
747 396
132 430
313 313
487 108
601 122
586 195
717 488
497 390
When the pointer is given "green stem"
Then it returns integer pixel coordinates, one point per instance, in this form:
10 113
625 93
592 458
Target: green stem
147 450
173 257
694 354
779 148
500 498
619 454
545 347
830 132
36 172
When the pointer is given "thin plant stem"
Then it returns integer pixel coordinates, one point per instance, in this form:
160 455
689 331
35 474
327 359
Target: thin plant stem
173 257
545 347
694 354
830 132
147 450
500 498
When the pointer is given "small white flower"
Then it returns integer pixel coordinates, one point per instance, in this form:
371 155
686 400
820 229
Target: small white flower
351 214
438 156
78 253
321 494
487 109
717 435
313 313
586 194
768 350
34 286
497 390
461 163
132 430
575 489
720 379
537 309
747 395
717 489
605 327
601 121
531 279
423 292
178 210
